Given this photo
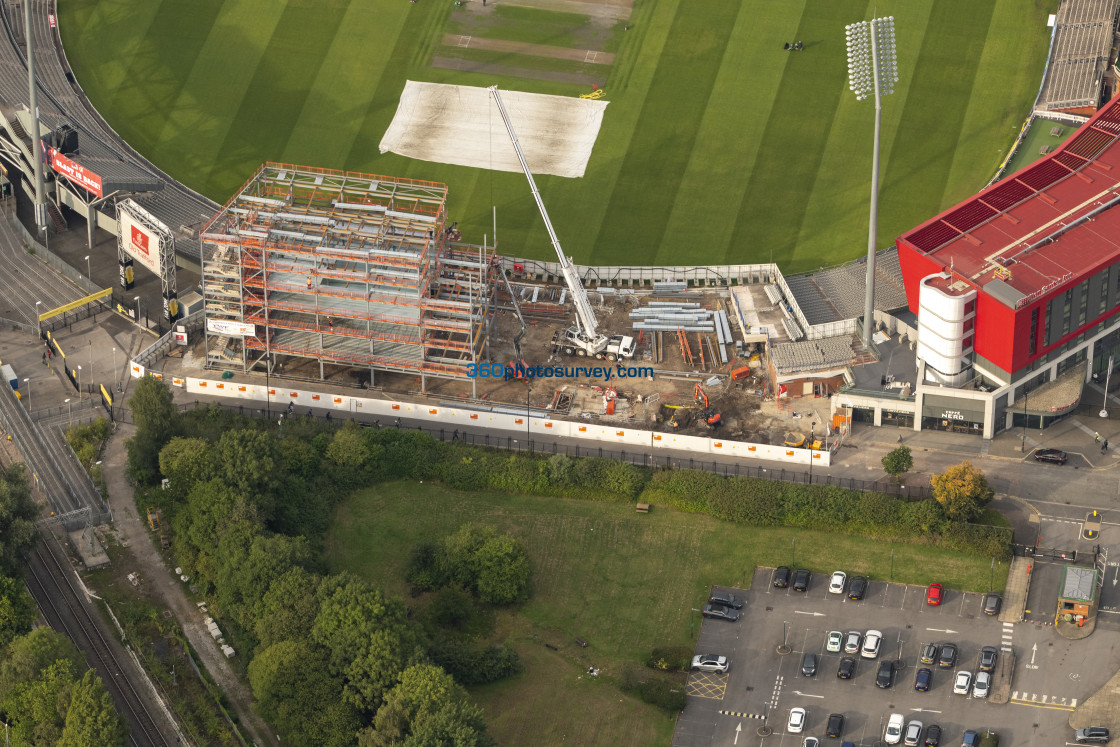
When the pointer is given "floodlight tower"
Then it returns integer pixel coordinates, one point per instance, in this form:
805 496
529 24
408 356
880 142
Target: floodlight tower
872 68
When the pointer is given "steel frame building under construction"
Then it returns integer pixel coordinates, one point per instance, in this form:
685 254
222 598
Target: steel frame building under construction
348 269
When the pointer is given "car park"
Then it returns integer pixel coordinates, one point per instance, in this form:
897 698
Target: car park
853 642
1091 735
796 721
727 599
991 604
809 664
710 663
970 739
884 678
893 733
835 725
933 735
871 643
922 679
948 657
835 642
929 654
801 580
933 594
962 683
1055 456
781 576
719 612
847 668
988 657
837 583
982 686
913 734
857 587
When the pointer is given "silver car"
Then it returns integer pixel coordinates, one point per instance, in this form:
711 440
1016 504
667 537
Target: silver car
710 663
982 686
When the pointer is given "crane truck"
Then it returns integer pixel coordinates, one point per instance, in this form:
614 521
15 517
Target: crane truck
582 338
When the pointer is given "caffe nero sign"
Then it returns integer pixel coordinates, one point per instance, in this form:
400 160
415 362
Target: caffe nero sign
949 408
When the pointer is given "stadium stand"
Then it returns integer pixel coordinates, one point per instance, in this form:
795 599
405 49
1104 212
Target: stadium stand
837 293
1079 56
829 352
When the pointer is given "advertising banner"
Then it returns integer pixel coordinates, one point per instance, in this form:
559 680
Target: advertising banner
128 275
72 171
233 329
139 242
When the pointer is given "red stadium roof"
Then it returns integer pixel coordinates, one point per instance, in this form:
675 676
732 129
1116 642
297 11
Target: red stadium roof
1035 229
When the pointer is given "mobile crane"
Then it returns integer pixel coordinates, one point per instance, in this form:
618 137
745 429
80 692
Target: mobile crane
582 338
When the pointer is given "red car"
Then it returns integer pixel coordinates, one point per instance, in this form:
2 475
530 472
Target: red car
933 594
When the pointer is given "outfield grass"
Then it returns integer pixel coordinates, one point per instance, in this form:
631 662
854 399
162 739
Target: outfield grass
623 581
717 146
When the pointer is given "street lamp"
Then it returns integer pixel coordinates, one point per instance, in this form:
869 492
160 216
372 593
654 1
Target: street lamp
69 415
115 375
528 444
267 386
872 68
92 372
38 322
137 300
28 382
812 436
79 382
89 274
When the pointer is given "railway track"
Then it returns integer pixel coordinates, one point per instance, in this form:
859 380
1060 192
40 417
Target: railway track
66 609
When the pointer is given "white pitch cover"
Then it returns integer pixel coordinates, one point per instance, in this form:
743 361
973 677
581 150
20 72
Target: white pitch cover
139 243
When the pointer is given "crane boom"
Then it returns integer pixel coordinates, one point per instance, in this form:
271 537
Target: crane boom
584 314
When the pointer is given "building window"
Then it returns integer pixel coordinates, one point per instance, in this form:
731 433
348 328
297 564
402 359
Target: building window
1034 331
967 342
968 324
970 307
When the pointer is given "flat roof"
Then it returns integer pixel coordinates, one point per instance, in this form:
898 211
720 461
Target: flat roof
1079 584
1040 228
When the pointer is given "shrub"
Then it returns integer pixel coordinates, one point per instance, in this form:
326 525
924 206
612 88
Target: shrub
658 690
670 658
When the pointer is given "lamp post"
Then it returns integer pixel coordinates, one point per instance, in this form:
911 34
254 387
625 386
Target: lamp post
137 300
528 444
89 273
38 322
115 375
28 382
812 437
872 69
267 386
79 383
92 371
1023 436
69 415
1107 378
793 553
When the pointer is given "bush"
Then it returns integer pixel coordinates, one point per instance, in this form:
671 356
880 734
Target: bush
670 658
659 690
474 663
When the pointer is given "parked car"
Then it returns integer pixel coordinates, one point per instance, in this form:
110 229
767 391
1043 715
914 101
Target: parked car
991 604
893 734
801 580
922 679
1091 735
933 594
982 686
719 612
884 678
726 598
857 587
781 576
1050 455
970 739
988 657
811 742
837 583
871 643
835 725
796 720
847 668
963 683
913 734
933 735
929 654
710 663
948 658
835 642
852 642
809 664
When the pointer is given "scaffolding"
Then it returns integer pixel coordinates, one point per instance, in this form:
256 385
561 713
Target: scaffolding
348 269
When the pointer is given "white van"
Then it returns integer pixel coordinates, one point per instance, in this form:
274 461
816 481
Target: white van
893 734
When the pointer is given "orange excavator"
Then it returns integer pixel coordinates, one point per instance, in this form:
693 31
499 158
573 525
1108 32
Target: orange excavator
709 416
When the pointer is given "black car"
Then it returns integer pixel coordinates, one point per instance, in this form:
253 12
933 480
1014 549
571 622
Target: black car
857 587
835 725
720 612
1050 455
988 656
991 604
930 652
922 679
801 580
846 669
781 576
885 676
727 599
809 664
933 735
948 658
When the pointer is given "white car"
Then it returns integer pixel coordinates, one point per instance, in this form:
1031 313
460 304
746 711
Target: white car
710 663
835 642
982 686
871 643
811 742
913 734
839 580
963 683
796 722
893 734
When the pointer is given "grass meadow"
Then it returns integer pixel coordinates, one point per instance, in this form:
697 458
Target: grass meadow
625 582
717 147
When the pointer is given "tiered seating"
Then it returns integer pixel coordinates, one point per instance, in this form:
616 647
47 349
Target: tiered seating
810 355
1079 55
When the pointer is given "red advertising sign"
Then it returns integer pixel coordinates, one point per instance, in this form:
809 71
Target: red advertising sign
140 244
75 173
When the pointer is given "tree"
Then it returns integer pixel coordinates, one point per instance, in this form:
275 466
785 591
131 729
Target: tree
186 462
153 410
962 490
503 570
18 512
37 708
898 462
288 609
91 718
17 610
247 462
30 654
427 709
